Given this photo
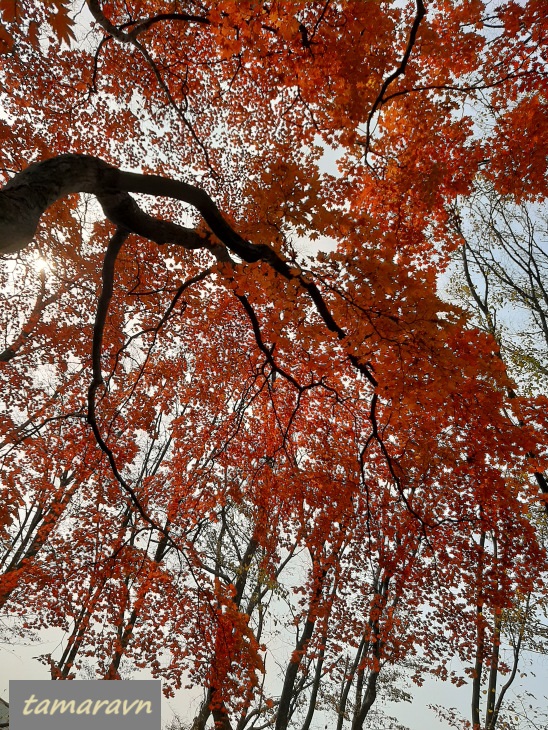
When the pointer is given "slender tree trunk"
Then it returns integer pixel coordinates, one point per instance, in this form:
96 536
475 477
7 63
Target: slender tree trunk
292 670
480 644
40 529
493 673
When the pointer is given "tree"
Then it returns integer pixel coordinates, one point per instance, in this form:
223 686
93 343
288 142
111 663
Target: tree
505 262
500 278
264 474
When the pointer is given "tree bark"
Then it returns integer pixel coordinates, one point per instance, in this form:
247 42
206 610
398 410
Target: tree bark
28 195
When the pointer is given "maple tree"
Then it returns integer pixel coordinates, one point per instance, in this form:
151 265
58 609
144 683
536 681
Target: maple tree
245 443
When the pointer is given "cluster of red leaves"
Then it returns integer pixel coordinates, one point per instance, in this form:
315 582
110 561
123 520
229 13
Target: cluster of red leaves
288 498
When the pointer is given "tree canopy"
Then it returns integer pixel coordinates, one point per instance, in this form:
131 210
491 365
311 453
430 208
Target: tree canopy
244 441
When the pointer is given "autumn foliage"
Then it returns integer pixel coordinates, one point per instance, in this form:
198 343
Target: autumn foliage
265 457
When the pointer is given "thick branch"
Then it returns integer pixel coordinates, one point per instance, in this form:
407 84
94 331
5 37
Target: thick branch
400 71
25 198
41 302
142 25
28 195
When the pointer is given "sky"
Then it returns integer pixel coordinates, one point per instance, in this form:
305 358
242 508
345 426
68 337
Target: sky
20 662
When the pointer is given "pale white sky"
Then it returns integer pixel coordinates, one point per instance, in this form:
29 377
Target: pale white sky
19 662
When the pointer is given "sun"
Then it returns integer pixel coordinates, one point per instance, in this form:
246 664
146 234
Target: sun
42 265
